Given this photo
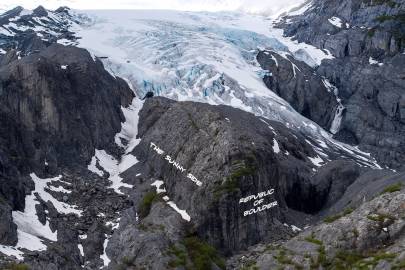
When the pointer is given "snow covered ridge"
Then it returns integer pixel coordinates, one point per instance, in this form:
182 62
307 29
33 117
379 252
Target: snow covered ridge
47 25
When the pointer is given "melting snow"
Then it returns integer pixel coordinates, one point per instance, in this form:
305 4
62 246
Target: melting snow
93 167
183 213
11 251
337 120
276 147
316 161
114 168
295 228
336 22
158 184
104 257
372 61
30 230
80 247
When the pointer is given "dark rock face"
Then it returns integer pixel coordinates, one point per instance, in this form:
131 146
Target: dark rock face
57 107
372 96
367 39
8 230
57 99
297 83
30 33
366 27
375 227
232 153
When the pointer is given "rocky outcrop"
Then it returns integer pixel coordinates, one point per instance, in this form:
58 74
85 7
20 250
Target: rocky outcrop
298 84
371 236
366 39
31 32
57 107
234 155
351 27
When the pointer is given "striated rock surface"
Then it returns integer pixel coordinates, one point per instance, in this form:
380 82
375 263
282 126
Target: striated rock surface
297 83
58 106
367 40
234 155
370 236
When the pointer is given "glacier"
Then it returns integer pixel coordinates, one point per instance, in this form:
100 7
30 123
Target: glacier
203 57
192 56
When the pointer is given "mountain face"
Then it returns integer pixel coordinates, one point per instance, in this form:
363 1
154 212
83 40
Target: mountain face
367 40
246 152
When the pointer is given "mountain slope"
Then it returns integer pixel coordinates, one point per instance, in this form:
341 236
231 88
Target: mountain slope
93 177
367 40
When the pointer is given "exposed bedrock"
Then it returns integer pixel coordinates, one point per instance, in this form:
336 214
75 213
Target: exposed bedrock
57 107
234 154
367 41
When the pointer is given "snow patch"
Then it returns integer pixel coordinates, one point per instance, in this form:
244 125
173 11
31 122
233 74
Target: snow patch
113 168
276 147
183 213
11 251
336 22
316 161
372 61
93 167
29 229
158 184
104 257
80 247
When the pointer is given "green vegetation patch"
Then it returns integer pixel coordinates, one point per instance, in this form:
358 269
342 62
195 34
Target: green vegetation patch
250 265
393 188
381 218
16 266
146 203
231 184
313 240
195 254
331 219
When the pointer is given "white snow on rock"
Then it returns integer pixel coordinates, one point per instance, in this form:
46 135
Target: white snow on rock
93 167
316 161
183 213
158 184
104 257
11 251
300 9
337 120
129 129
113 168
336 22
372 61
63 66
295 228
30 230
276 147
80 247
2 51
